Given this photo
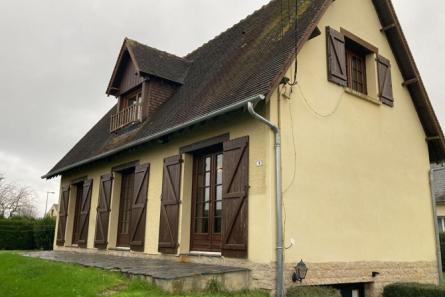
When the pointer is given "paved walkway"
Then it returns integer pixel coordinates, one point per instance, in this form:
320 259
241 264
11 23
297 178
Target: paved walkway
155 268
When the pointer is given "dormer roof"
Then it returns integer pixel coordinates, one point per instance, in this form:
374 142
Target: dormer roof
149 61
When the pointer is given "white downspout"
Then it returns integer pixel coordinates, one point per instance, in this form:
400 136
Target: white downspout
278 201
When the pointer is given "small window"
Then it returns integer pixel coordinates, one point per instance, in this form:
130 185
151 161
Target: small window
130 99
356 70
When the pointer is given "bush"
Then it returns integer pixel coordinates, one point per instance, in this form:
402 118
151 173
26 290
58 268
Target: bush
20 233
312 292
44 233
16 234
413 290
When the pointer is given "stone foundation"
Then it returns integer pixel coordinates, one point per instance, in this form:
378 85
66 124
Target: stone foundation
262 276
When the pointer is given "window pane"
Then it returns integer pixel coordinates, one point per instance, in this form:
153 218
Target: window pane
207 168
219 176
201 225
218 192
218 208
219 161
207 194
217 225
207 179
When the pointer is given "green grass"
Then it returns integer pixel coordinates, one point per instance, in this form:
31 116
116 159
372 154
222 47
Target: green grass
29 277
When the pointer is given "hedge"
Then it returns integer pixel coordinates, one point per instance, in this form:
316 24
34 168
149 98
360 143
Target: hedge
312 292
19 233
413 290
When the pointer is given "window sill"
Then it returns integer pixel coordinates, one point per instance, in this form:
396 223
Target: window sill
362 96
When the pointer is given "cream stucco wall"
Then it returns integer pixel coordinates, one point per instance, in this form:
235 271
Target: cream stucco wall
260 197
355 173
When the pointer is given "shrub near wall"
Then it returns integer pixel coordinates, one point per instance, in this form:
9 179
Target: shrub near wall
413 290
312 292
20 233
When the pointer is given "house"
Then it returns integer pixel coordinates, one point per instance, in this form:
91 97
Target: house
53 212
183 167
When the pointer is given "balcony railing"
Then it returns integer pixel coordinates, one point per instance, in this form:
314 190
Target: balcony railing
125 117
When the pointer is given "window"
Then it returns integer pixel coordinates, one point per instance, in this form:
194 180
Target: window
356 70
130 99
441 223
356 65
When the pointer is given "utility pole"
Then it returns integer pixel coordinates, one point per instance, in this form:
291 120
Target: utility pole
46 204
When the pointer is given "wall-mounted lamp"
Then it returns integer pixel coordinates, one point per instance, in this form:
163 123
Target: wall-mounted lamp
300 272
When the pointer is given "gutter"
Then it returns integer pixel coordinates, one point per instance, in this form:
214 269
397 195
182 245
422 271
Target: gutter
167 131
279 278
436 226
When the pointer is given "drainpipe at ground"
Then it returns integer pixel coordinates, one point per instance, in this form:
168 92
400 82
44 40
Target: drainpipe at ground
278 199
436 226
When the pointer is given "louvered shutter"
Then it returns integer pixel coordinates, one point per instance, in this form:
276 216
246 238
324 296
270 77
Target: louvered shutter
63 214
336 57
385 81
139 207
85 212
235 193
103 211
170 201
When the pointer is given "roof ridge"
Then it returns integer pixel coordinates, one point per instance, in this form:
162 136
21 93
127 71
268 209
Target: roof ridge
230 28
158 50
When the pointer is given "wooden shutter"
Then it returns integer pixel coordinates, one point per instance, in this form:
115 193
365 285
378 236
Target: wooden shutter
85 212
235 190
385 81
336 55
170 200
63 214
103 211
139 207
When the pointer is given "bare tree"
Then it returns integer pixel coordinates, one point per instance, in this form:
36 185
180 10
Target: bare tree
15 200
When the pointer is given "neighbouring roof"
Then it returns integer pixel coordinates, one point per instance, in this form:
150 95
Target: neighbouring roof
247 60
439 182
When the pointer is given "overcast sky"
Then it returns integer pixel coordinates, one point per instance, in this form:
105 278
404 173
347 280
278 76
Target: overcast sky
56 57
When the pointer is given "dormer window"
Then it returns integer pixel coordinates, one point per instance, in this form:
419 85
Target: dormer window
129 110
130 99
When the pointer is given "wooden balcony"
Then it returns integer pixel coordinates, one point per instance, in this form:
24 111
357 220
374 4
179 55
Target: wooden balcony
126 116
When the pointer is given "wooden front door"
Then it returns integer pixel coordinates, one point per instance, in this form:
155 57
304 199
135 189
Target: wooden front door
207 201
77 211
126 198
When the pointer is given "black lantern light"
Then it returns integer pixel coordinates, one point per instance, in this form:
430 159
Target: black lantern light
300 272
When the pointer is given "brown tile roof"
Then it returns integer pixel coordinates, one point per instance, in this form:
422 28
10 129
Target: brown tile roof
247 60
158 63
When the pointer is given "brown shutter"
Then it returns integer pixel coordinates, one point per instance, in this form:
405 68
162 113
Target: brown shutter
336 54
235 190
170 200
63 214
85 212
139 207
103 211
385 81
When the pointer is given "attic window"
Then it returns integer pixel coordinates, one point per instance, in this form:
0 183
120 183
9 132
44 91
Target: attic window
356 67
129 110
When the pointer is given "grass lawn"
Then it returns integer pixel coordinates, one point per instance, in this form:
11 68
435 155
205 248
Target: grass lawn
29 277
